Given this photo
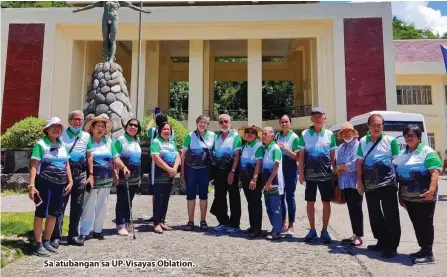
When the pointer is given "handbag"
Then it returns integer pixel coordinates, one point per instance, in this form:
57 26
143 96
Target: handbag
209 157
369 152
337 195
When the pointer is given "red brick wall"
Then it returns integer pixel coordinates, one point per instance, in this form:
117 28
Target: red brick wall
365 75
23 72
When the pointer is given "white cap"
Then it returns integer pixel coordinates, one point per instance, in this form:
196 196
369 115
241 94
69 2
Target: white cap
53 121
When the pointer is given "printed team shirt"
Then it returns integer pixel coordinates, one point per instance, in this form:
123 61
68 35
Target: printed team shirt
291 141
53 159
167 152
272 154
153 132
196 157
413 172
251 153
103 154
130 153
224 150
378 168
78 156
317 159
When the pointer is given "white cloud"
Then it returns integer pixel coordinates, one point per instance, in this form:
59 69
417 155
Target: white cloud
419 13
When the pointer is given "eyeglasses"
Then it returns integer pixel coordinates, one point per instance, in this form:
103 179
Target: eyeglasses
133 125
410 136
223 121
77 119
250 132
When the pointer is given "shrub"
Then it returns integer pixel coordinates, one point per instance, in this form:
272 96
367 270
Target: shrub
23 134
180 132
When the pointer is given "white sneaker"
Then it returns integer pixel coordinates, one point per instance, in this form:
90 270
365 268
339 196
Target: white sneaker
122 231
232 230
220 227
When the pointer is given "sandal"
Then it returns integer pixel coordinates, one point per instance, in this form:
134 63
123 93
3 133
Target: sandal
203 225
189 226
357 242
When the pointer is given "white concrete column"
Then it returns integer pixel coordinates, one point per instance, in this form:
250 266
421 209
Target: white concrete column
46 79
388 62
164 77
4 49
254 54
195 99
341 113
208 76
152 74
139 111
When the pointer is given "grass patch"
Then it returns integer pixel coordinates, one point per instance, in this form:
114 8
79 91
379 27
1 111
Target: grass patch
7 192
17 232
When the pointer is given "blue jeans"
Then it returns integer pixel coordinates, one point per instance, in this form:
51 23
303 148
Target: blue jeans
290 173
122 211
197 179
273 206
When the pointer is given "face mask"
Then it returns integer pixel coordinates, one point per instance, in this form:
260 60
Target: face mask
225 130
75 130
349 140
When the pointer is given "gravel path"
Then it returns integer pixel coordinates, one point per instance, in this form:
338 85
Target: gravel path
223 255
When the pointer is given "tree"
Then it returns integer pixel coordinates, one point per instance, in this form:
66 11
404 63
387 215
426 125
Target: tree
33 4
444 36
405 30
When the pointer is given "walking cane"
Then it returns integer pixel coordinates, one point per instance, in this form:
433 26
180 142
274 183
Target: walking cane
130 208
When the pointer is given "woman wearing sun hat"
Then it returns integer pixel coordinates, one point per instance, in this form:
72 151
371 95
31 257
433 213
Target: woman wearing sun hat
249 171
347 180
50 177
100 170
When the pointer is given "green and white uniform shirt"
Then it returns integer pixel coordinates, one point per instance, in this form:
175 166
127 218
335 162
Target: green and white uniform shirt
167 152
78 156
153 132
251 153
272 154
130 153
378 168
103 154
291 141
413 172
225 150
53 159
196 157
317 159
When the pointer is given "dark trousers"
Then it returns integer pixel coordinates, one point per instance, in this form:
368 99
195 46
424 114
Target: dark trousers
254 205
162 193
384 218
421 215
76 203
354 202
122 211
290 172
220 207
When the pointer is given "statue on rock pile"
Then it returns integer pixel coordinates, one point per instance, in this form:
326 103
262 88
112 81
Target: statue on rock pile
107 94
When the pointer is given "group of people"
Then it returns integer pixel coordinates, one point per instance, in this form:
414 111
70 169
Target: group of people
85 164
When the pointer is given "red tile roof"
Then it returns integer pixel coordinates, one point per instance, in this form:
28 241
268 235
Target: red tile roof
418 50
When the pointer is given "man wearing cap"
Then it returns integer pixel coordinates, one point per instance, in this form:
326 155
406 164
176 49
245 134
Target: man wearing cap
49 179
227 151
77 145
316 160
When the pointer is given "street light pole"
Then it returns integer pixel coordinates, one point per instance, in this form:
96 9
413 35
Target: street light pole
139 58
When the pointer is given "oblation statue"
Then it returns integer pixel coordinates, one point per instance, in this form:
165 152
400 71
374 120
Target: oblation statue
110 24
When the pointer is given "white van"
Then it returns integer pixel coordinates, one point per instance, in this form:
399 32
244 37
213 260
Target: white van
395 123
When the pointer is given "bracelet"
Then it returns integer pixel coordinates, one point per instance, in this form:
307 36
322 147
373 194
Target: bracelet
31 186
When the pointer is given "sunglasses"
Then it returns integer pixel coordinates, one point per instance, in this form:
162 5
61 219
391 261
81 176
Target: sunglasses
412 136
251 132
133 125
223 121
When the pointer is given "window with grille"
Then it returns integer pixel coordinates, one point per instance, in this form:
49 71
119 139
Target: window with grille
431 140
414 95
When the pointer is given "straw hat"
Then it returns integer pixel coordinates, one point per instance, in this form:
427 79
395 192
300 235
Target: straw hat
250 126
98 118
346 126
53 121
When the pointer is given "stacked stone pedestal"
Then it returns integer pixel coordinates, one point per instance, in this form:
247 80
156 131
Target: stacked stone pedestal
107 95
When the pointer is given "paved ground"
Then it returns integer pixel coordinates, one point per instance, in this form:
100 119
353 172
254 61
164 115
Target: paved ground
223 255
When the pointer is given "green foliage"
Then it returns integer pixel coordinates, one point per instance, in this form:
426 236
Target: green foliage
180 132
277 99
23 134
178 91
406 30
34 4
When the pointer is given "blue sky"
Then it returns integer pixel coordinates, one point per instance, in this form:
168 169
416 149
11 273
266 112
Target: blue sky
424 14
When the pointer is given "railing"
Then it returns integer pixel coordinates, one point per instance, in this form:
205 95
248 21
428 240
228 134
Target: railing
242 114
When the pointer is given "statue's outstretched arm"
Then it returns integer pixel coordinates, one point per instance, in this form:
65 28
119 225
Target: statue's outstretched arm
89 7
129 5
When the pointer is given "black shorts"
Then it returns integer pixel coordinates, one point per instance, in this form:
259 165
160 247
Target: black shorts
325 189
